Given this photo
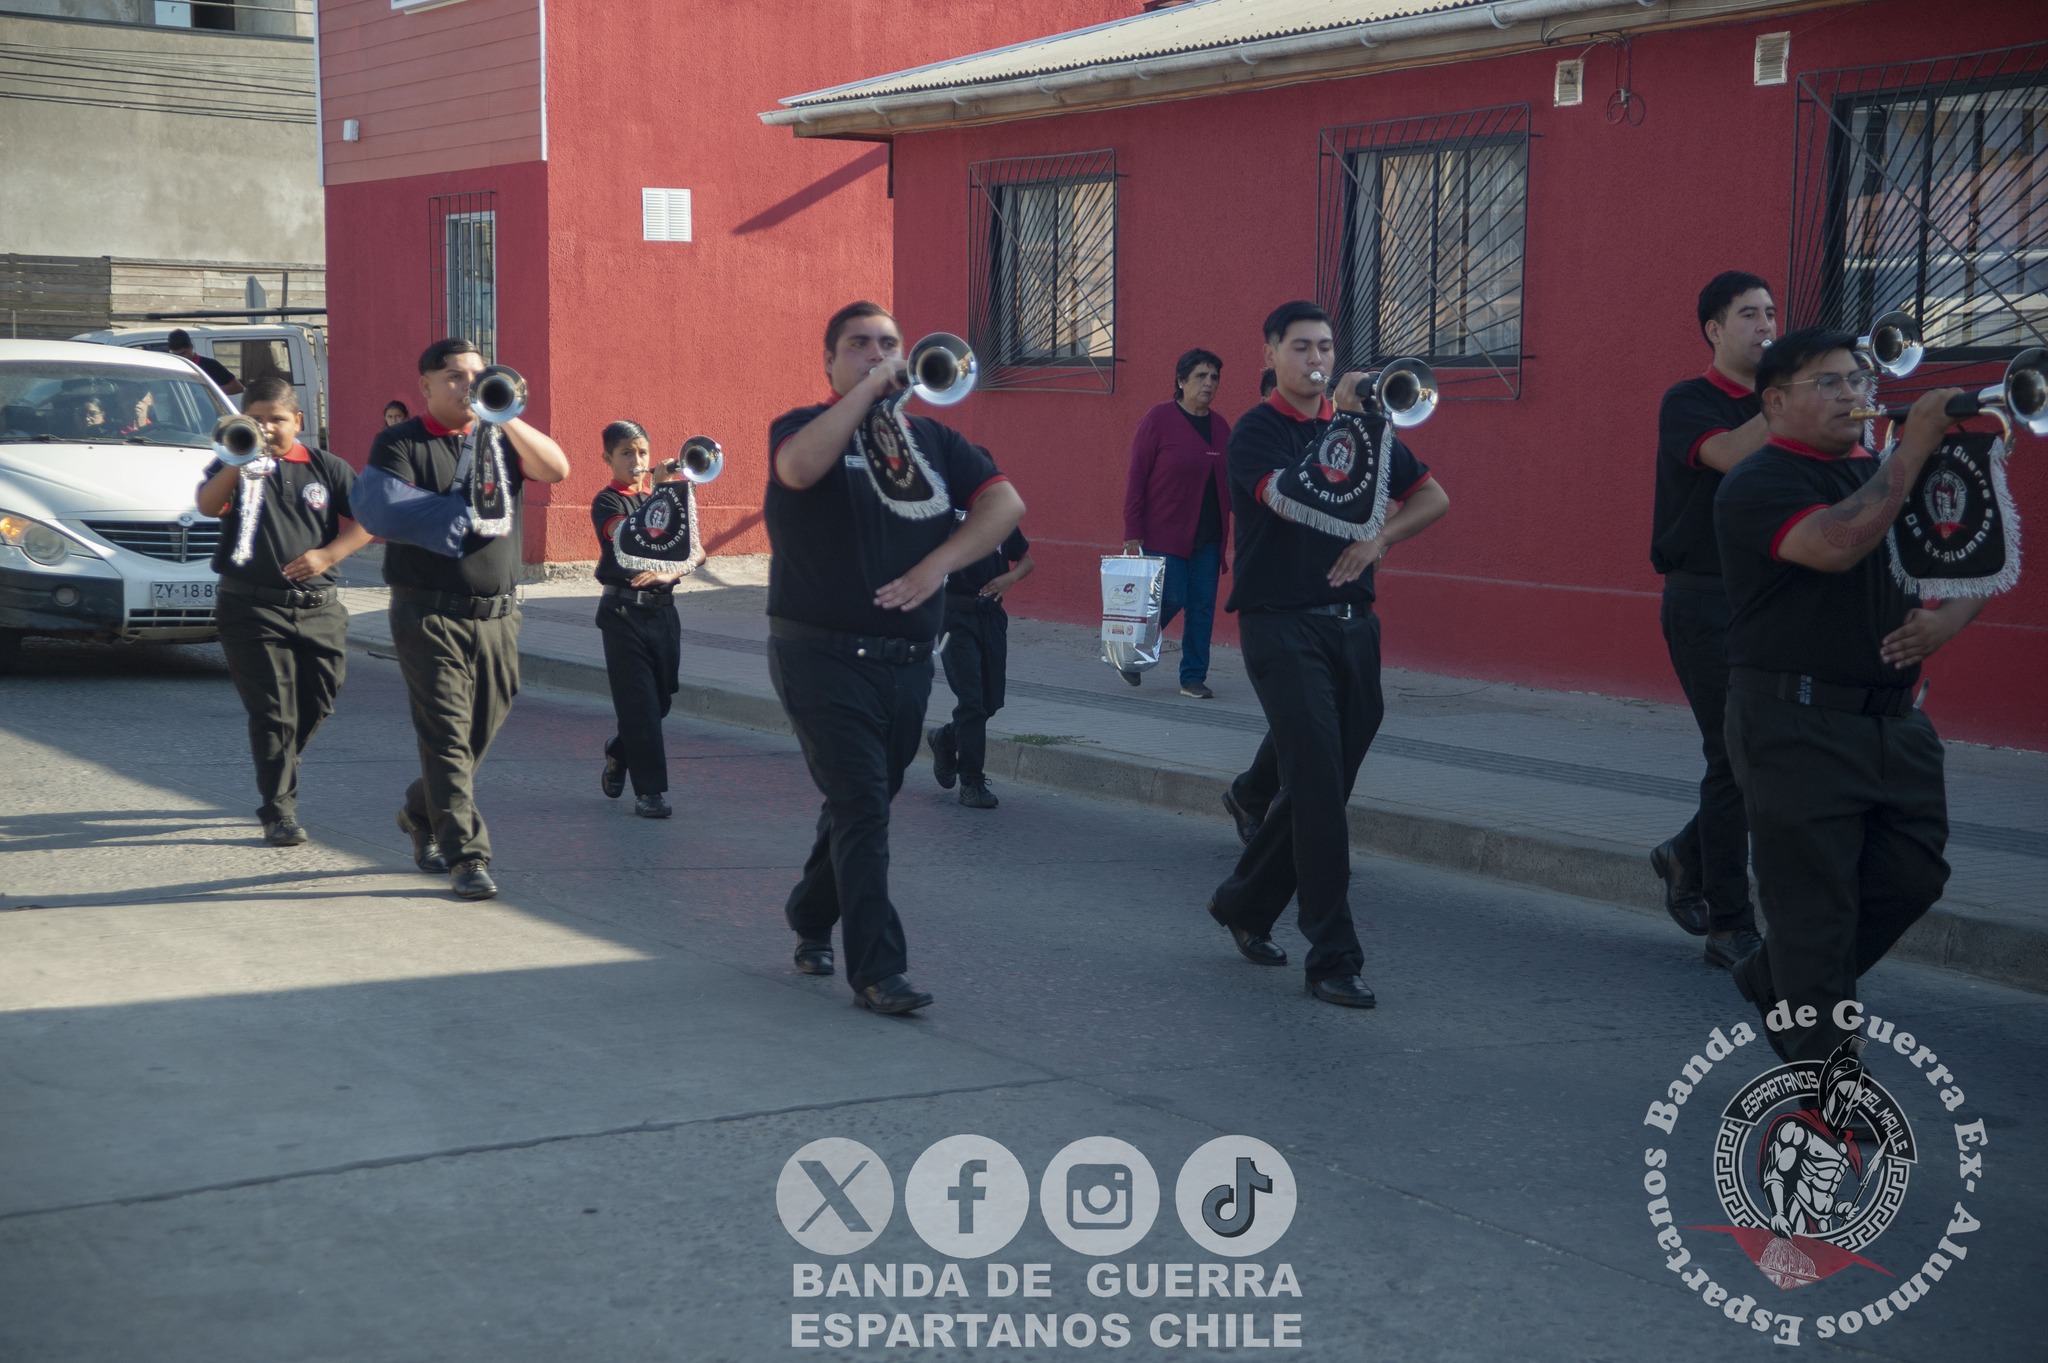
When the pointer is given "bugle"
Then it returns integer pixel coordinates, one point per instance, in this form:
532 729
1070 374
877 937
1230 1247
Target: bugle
941 369
1403 391
700 460
1893 346
2022 396
237 441
497 395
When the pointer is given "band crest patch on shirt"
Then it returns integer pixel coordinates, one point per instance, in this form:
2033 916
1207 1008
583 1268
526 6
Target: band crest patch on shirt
660 534
1958 534
896 467
315 495
1340 486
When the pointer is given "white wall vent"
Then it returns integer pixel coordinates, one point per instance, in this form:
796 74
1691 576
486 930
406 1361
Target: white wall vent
1773 54
1571 83
665 215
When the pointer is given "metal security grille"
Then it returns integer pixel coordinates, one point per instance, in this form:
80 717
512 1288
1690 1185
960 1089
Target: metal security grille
463 255
1042 284
170 541
1419 244
1924 186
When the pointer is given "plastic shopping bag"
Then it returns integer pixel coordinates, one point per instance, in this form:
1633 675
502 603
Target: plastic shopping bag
1133 588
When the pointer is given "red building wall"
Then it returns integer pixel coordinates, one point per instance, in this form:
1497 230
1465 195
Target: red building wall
1540 574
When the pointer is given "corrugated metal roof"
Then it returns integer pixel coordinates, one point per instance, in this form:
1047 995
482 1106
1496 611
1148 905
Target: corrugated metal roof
1193 27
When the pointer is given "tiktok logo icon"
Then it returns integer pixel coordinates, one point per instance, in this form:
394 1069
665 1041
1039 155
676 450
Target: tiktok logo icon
1235 1196
1238 1197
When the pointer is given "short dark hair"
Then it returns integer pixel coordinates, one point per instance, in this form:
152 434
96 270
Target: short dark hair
619 432
1287 314
1722 291
403 410
1268 381
1188 363
271 388
1795 350
437 355
181 339
852 312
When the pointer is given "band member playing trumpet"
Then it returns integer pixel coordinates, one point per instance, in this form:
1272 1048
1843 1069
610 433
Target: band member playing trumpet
859 510
445 490
1706 424
636 616
1841 774
284 525
1310 489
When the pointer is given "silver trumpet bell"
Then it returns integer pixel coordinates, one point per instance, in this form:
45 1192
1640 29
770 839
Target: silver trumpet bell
498 395
701 460
1405 391
1893 346
941 369
237 441
2024 391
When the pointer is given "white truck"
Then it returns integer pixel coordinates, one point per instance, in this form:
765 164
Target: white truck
248 352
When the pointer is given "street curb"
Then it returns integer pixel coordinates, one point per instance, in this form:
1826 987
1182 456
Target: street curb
1969 939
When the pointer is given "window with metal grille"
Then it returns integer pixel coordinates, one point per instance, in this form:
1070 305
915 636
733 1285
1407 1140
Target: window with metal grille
1924 186
464 255
1042 291
1419 246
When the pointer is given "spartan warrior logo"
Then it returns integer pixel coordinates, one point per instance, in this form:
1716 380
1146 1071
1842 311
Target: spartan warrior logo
1810 1164
658 520
1338 454
1946 496
314 495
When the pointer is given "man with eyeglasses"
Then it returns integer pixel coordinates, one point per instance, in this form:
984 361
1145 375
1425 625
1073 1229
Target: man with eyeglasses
1704 427
1841 773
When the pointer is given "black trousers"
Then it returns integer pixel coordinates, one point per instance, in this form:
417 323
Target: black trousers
1318 679
1848 816
977 653
1714 844
860 722
643 662
1255 787
287 663
460 677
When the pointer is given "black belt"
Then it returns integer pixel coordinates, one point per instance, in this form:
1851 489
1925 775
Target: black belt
1890 702
1696 582
878 647
299 598
639 598
459 605
1343 610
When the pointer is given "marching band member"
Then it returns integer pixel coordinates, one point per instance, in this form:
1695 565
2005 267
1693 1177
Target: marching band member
1311 525
442 491
1706 425
1841 774
976 659
637 617
859 511
284 525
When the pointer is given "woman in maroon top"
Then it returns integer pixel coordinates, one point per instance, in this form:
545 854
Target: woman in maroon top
1177 506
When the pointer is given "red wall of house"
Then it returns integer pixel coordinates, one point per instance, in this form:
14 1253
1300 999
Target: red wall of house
379 291
1540 573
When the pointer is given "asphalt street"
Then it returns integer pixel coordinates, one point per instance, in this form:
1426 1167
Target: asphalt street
262 1104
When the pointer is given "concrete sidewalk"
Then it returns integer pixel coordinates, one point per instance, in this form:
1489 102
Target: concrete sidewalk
1563 791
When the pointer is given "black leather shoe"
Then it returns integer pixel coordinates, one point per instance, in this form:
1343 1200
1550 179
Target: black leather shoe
612 781
893 995
1349 991
425 855
652 807
472 880
945 757
1725 948
284 832
1247 826
1257 949
977 795
1682 897
814 956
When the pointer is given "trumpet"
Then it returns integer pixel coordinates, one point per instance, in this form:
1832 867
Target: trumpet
941 369
237 441
497 395
1404 391
700 460
1893 346
2022 396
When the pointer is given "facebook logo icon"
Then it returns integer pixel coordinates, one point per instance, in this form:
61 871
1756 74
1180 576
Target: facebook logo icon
967 1196
967 1192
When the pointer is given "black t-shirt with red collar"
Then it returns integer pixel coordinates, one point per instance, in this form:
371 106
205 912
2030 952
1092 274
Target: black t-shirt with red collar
821 573
1281 565
613 504
1789 618
305 500
1682 524
425 453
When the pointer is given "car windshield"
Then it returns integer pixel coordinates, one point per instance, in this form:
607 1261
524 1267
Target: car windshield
46 401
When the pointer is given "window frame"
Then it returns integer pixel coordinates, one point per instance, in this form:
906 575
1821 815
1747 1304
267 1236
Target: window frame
994 274
449 314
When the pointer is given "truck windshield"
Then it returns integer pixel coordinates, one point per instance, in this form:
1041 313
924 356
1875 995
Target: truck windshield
68 403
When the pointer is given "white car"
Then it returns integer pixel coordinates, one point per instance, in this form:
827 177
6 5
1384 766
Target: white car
101 452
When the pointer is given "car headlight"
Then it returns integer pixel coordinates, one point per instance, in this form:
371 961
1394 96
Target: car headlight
42 543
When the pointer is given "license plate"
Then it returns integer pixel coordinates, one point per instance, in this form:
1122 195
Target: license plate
181 593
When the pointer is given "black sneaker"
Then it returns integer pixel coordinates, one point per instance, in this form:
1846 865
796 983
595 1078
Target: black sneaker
285 832
1197 690
613 780
945 757
977 795
652 807
425 855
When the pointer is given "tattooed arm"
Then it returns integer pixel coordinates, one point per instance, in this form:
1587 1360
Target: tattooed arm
1837 538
